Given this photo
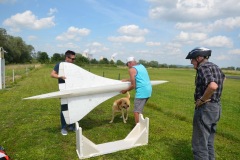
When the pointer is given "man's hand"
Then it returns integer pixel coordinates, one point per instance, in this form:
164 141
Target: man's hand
124 91
200 102
62 77
125 80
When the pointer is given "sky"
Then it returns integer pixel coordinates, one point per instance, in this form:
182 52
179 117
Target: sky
150 30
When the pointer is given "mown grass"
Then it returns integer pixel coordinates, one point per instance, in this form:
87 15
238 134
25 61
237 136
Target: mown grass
14 73
30 129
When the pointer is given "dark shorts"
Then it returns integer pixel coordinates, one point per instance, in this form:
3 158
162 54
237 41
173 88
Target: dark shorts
139 104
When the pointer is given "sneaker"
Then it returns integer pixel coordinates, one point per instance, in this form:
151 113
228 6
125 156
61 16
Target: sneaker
72 128
64 132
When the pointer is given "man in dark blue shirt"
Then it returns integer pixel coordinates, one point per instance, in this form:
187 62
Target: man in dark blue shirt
69 57
209 85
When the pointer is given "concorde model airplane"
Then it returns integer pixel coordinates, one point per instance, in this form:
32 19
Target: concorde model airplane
81 93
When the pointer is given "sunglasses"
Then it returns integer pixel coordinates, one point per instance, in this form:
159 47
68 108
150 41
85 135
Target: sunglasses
72 58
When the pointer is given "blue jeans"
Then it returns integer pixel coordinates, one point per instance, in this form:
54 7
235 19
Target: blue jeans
204 127
63 122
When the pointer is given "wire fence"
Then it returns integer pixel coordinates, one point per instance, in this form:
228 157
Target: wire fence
13 73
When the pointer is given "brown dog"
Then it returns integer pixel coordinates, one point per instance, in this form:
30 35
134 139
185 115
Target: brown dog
121 105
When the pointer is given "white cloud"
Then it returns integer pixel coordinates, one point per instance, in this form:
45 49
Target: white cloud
31 38
153 43
226 23
229 23
86 51
73 33
167 50
28 20
52 11
193 27
222 57
218 41
132 30
132 39
229 7
96 47
130 33
188 25
195 4
235 52
194 10
96 44
182 10
68 45
185 36
173 48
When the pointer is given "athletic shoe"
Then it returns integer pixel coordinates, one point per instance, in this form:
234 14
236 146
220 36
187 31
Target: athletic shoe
64 132
72 128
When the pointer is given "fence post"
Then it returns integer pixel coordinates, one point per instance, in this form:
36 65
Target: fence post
2 68
13 76
26 71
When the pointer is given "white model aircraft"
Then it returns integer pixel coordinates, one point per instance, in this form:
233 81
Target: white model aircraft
81 93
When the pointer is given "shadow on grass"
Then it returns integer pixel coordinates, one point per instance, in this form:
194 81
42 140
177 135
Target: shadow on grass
90 123
53 129
180 149
168 113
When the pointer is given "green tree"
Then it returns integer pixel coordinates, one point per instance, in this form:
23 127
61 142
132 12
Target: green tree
104 61
26 54
120 63
172 66
3 37
17 50
231 68
93 61
57 57
111 62
163 65
81 59
143 62
153 64
42 57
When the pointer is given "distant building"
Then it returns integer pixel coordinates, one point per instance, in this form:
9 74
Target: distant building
113 58
87 55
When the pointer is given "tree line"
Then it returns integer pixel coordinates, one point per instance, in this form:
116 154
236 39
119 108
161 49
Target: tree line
17 51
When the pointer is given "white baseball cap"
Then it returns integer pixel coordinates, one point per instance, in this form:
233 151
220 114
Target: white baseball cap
130 59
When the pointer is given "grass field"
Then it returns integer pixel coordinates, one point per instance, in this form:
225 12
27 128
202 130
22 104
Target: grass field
30 129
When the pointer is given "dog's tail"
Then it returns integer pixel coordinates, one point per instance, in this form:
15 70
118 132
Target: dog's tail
128 95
